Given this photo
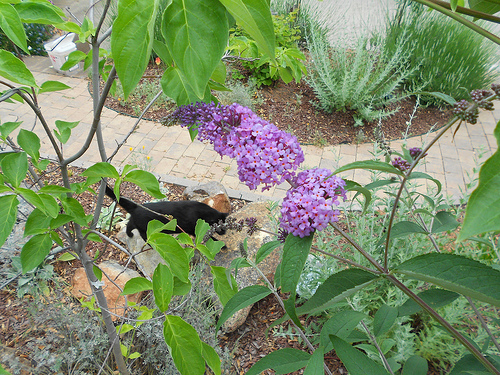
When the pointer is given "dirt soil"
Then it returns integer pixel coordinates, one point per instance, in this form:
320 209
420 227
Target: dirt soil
291 108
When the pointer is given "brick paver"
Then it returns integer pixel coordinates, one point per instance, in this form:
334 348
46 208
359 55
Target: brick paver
174 158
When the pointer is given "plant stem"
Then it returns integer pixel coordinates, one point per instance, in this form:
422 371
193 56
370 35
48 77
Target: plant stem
474 351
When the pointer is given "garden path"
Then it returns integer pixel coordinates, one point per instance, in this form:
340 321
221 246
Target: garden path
175 159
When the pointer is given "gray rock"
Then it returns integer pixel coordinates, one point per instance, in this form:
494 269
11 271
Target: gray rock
213 194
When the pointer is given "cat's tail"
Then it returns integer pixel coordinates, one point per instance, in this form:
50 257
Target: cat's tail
127 204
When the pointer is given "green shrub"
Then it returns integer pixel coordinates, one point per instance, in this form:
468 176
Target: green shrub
364 80
36 35
449 57
288 55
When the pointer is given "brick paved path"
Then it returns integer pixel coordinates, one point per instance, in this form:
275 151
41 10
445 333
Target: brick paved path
174 158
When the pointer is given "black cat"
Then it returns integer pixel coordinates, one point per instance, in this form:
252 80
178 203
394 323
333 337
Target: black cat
186 213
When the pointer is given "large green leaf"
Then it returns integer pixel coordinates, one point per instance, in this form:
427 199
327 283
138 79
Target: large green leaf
173 253
383 319
163 286
8 127
64 132
415 365
224 284
39 12
14 167
132 40
282 361
295 251
196 33
337 287
34 251
356 362
46 203
315 365
30 143
469 364
341 325
483 209
146 181
265 250
136 285
444 221
255 17
485 6
176 86
435 298
455 273
38 222
8 213
185 345
11 25
15 70
374 165
211 358
245 297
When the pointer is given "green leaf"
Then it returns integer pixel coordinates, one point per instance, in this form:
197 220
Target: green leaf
178 87
341 325
34 251
384 319
50 204
73 208
255 17
11 25
38 222
136 285
14 167
370 165
469 364
337 287
211 358
8 127
39 12
132 40
172 253
415 365
185 346
146 181
156 226
64 132
97 272
163 286
455 273
245 297
265 250
200 230
282 361
3 371
224 284
444 97
51 86
54 189
196 34
315 364
295 251
435 298
483 208
66 257
8 213
30 143
404 228
220 73
356 362
444 221
162 51
46 203
73 58
485 6
100 170
417 175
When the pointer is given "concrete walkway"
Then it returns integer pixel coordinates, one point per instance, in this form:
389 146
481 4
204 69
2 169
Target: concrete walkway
174 158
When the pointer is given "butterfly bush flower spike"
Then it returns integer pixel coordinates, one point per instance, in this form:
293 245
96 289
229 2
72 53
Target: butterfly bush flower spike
311 204
264 154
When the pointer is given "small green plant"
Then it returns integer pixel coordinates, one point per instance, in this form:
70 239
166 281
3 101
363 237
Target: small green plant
364 80
35 282
439 56
241 93
140 158
289 58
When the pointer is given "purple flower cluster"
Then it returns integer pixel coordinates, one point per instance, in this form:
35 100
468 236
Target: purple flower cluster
401 164
309 205
415 152
264 153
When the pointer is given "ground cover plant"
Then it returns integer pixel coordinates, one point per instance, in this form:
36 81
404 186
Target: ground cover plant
265 156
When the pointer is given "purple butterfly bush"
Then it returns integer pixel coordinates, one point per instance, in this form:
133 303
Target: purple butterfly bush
267 155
